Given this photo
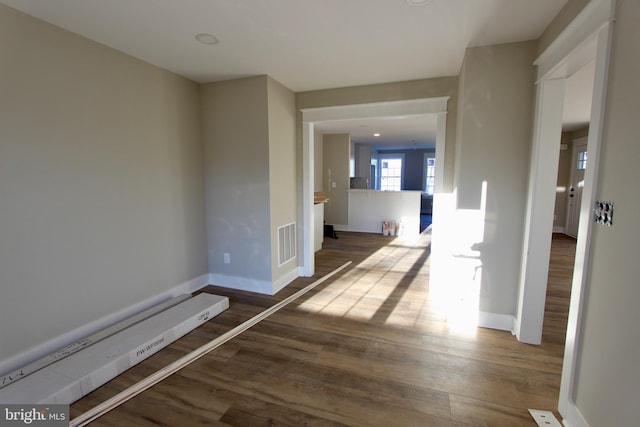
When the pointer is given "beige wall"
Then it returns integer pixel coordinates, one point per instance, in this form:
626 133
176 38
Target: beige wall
318 182
336 149
496 98
282 167
236 138
559 23
362 157
250 179
608 375
101 182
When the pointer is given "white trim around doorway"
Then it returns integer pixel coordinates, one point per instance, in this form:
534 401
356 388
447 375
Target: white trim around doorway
310 116
586 38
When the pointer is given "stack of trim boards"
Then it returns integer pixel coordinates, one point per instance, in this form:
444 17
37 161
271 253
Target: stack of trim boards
88 364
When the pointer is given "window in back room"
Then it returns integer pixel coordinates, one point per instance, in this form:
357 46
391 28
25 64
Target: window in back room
429 175
391 172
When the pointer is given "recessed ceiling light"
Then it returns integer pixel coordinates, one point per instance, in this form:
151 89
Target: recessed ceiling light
376 134
205 38
418 2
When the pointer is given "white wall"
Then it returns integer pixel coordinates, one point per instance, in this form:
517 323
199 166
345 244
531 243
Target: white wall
368 208
101 190
608 373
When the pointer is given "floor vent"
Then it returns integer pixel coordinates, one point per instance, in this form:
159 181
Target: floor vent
286 243
544 418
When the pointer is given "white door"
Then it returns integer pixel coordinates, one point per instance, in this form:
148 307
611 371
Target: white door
578 166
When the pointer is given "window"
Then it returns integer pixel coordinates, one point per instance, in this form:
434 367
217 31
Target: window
582 160
429 175
391 173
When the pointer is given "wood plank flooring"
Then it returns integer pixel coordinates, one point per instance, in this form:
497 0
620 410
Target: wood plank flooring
365 348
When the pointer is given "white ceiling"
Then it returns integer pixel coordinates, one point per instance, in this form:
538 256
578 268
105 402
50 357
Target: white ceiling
395 132
304 44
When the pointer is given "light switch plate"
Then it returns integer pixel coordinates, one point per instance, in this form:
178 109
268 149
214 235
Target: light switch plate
603 213
544 418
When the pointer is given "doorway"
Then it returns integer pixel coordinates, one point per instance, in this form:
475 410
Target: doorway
310 116
578 167
586 38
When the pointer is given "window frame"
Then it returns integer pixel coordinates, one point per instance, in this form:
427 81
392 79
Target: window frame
390 156
426 175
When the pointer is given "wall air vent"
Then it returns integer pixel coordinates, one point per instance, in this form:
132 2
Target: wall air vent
286 243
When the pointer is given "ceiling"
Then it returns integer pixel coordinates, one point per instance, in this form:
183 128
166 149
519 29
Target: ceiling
394 132
304 44
577 98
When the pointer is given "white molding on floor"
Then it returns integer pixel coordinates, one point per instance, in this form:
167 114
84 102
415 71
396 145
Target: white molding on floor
559 229
68 379
96 325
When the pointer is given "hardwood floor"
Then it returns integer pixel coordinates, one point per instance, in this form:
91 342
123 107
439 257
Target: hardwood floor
556 312
366 348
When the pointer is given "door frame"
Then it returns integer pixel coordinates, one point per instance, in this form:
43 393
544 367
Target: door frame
578 142
310 116
587 37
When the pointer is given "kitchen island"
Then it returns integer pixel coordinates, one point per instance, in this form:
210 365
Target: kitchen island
368 208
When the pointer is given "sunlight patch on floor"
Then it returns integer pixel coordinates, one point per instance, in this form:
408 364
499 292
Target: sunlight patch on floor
392 287
351 296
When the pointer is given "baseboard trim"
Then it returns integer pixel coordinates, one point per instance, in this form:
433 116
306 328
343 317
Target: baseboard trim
341 227
90 328
287 278
242 283
559 229
254 285
502 322
571 415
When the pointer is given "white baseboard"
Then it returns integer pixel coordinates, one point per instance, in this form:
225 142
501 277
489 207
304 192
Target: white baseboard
502 322
571 415
302 272
241 283
253 285
90 328
341 227
559 229
283 281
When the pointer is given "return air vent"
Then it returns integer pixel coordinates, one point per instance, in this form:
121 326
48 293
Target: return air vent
286 243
